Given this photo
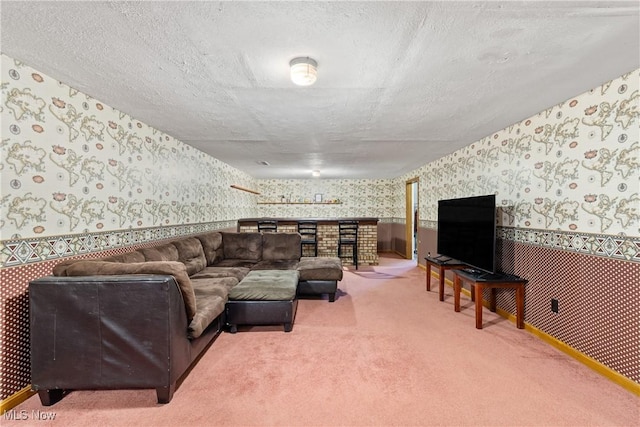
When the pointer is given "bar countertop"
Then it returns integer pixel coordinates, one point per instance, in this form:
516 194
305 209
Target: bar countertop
324 220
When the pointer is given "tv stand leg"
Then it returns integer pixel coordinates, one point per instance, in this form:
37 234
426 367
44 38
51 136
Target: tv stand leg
492 300
428 276
520 307
478 292
457 283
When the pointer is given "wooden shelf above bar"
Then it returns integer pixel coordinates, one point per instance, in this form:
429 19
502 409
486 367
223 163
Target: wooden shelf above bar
237 187
299 203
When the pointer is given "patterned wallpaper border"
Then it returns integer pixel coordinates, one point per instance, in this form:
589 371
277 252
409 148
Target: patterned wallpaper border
26 251
18 252
616 247
391 220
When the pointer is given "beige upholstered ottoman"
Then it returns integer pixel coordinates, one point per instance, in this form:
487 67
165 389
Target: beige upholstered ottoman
263 297
319 275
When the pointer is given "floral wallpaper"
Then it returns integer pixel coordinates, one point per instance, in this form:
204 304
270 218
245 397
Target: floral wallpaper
72 165
574 168
376 198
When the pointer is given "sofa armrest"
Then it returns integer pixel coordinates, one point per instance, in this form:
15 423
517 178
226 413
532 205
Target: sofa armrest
120 331
171 268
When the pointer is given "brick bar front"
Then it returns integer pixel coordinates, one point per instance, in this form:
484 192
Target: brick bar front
328 235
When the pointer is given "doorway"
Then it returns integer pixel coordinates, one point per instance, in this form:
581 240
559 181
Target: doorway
412 218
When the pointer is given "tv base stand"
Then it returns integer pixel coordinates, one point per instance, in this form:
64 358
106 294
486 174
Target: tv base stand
480 282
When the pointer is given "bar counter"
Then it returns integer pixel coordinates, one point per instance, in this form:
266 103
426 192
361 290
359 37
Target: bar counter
328 235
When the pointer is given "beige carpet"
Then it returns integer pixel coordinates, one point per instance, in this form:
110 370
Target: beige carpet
385 353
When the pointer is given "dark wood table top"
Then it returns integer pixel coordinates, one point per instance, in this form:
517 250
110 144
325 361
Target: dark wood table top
443 261
480 276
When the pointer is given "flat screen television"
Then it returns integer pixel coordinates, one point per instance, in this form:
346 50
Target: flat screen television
467 231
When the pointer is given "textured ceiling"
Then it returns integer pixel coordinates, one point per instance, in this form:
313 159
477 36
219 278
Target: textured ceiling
400 84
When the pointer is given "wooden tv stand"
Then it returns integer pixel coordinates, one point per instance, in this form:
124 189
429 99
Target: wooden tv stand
479 281
442 263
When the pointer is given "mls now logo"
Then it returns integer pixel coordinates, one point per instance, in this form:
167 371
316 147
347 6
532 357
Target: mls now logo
22 415
16 415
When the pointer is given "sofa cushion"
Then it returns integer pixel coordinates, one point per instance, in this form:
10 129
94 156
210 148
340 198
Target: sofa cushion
166 252
211 297
209 307
215 272
60 269
171 268
212 246
245 246
320 268
281 246
285 264
220 286
191 254
133 256
236 263
266 285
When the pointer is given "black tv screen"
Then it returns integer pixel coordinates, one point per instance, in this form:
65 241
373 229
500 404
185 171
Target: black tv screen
467 231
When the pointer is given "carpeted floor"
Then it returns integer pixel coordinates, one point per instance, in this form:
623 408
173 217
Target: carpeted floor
385 353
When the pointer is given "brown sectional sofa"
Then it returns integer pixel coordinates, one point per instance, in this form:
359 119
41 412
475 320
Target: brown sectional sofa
140 319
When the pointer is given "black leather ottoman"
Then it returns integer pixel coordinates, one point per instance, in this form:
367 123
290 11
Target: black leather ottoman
263 297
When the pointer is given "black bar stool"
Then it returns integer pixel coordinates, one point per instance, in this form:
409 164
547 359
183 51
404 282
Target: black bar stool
348 236
309 232
268 226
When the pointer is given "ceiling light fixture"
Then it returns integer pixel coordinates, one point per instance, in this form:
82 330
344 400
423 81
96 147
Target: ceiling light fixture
315 173
304 71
